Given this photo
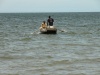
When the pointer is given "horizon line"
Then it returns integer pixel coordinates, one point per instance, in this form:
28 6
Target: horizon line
55 12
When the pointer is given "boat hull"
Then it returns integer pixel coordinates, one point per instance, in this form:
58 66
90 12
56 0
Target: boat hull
48 30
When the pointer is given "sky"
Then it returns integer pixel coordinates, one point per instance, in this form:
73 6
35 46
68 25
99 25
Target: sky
11 6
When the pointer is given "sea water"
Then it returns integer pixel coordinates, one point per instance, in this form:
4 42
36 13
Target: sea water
74 50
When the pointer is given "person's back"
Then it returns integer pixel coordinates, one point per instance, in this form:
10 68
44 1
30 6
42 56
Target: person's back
50 21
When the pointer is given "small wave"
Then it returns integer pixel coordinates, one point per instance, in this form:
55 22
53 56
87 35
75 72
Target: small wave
86 33
59 62
71 32
49 56
87 60
76 74
7 57
26 39
1 23
8 74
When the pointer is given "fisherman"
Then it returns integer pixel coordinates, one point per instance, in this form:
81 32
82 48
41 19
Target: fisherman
50 21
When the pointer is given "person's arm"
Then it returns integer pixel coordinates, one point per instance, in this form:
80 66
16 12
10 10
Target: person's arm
41 24
47 22
53 20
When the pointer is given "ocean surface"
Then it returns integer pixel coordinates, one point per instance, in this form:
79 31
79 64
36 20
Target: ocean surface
74 50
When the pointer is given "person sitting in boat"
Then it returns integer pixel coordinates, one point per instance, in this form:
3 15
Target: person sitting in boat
43 25
50 21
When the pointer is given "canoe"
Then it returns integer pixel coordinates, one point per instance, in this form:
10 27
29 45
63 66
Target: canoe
48 30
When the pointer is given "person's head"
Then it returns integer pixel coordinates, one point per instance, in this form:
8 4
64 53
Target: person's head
49 16
43 21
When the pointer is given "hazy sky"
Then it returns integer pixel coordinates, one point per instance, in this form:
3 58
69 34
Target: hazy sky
49 6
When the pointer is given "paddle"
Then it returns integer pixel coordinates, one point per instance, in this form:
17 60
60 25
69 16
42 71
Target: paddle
62 30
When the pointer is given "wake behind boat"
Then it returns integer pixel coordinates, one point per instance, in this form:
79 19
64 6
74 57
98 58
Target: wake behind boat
48 30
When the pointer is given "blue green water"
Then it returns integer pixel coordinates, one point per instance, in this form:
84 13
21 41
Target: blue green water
76 51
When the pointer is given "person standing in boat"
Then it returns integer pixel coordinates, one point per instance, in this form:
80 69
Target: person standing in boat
43 25
50 21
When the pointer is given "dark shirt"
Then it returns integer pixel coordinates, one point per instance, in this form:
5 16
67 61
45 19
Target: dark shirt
50 21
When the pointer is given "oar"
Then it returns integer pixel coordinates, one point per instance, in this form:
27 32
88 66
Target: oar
62 30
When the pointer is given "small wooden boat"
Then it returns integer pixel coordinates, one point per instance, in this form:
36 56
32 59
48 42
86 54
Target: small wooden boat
48 30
